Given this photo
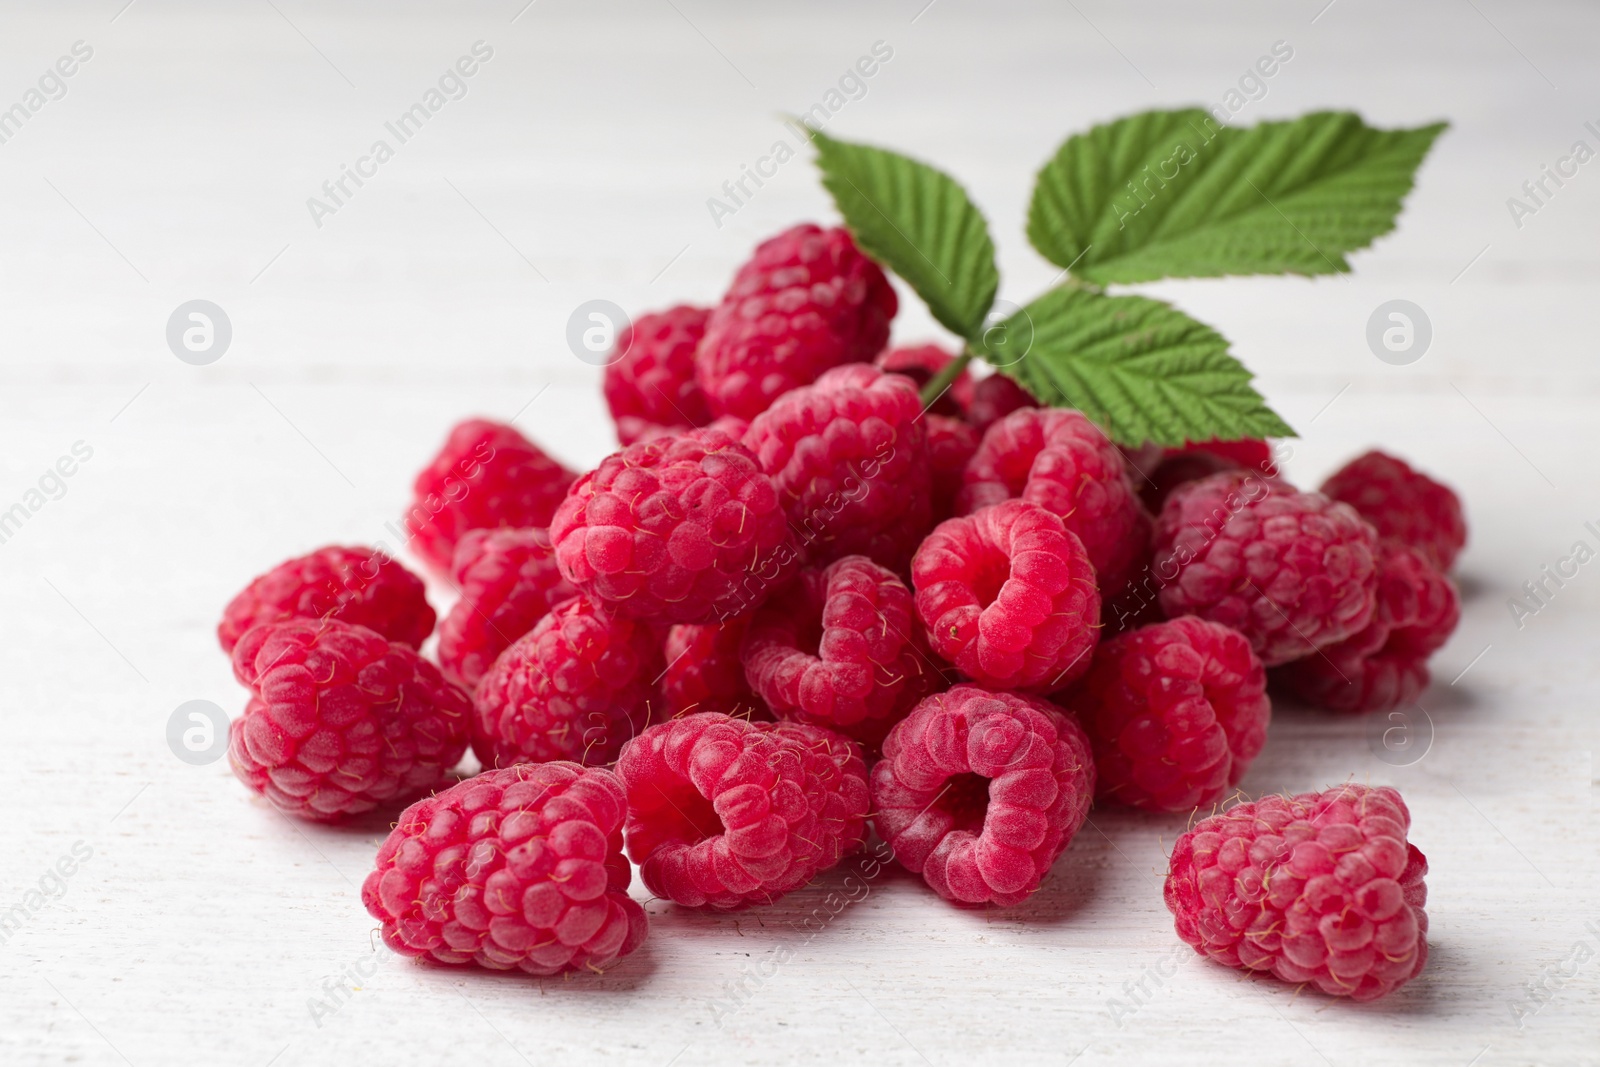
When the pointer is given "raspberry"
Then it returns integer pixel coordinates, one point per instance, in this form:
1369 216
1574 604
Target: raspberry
921 363
806 301
1321 888
1173 467
1293 572
728 424
487 475
508 580
517 869
1176 711
1058 459
951 443
1403 504
704 671
1008 596
675 529
981 792
724 813
575 687
1385 665
995 397
849 458
361 586
651 387
840 648
341 720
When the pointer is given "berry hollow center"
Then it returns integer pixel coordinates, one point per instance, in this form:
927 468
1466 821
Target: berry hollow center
988 574
965 798
696 819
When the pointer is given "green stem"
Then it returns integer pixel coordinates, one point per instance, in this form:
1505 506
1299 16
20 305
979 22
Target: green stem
942 381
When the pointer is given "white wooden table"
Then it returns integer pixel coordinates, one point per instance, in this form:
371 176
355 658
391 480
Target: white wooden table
203 928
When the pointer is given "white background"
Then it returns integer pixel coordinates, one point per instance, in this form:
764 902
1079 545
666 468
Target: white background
178 165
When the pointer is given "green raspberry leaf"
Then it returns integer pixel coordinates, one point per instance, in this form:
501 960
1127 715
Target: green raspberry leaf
918 222
1142 369
1170 194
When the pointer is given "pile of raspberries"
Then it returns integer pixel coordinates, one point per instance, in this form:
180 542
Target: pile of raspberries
800 605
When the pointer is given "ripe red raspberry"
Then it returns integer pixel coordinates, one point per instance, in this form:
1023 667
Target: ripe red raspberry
1293 572
725 813
849 457
1176 711
704 671
921 363
841 648
806 301
508 580
341 720
575 687
1008 596
675 529
516 869
951 443
651 387
981 792
1058 459
995 397
1321 888
1385 665
361 586
487 475
1173 467
1403 504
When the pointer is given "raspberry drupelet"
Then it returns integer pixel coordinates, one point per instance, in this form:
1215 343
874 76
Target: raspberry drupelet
1403 504
516 869
705 671
1008 596
1385 665
1321 889
724 813
806 301
1292 571
508 580
361 586
1176 711
340 720
487 475
841 648
849 458
980 792
684 528
1058 459
650 386
575 687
